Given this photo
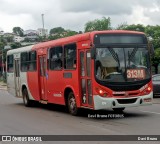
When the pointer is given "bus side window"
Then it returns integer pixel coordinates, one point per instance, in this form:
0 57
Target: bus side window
70 58
56 58
24 61
32 61
10 63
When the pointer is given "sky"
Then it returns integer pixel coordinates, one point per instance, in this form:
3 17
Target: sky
74 14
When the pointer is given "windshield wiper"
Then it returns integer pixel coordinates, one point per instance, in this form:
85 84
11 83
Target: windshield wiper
131 56
115 55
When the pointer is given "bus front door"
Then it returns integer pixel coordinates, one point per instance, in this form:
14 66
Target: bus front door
43 77
17 76
85 78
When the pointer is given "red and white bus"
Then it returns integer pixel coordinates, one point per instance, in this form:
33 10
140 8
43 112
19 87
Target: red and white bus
96 70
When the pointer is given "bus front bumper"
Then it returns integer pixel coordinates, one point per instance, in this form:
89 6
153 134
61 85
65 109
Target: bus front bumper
101 103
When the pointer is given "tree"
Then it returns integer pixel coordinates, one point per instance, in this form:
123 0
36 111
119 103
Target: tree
9 38
15 45
70 33
19 31
122 26
133 27
153 32
1 45
156 60
60 32
98 24
2 42
57 30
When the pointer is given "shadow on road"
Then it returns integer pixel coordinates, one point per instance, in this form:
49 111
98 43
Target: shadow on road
90 114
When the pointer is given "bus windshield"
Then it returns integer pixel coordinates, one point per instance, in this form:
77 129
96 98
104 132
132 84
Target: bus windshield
118 64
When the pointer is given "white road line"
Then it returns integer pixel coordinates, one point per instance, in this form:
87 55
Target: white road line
151 112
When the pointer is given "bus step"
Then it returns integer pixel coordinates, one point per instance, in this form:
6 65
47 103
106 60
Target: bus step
43 101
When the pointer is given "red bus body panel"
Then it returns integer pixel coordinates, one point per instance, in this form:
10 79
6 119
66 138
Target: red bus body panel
53 84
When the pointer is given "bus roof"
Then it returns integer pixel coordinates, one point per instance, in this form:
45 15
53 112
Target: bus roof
62 41
19 50
67 40
79 37
116 32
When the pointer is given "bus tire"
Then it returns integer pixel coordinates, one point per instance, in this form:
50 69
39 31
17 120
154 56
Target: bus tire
27 102
72 106
118 109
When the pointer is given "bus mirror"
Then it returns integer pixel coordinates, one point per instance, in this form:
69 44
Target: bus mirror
93 53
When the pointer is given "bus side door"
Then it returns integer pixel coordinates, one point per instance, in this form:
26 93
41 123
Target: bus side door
17 76
85 78
43 76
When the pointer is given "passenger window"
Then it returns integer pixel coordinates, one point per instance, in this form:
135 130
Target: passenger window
82 64
70 58
24 62
10 63
32 61
88 63
56 58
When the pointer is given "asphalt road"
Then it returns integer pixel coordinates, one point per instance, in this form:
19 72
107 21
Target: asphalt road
17 119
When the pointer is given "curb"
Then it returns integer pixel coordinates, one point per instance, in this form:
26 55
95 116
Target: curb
2 83
3 86
3 89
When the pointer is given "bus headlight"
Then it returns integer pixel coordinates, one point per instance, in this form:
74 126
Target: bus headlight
101 92
148 90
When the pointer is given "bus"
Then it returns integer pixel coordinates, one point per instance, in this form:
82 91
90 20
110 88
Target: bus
98 70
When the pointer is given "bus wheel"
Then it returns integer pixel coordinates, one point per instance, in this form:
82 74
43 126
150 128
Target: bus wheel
26 100
72 106
118 109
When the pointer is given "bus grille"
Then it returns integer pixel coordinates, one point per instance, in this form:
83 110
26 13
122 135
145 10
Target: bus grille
125 88
126 101
129 94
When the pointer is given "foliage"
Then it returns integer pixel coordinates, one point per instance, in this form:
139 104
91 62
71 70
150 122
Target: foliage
1 45
70 33
122 26
98 24
156 59
19 31
15 45
57 30
9 39
153 32
133 27
138 27
2 42
60 32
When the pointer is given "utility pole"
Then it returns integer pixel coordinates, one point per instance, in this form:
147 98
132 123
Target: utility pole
43 20
43 31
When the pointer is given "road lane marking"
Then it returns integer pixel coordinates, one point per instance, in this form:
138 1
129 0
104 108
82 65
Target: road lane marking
151 112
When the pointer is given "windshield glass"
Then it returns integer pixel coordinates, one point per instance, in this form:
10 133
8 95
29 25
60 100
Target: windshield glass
122 64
